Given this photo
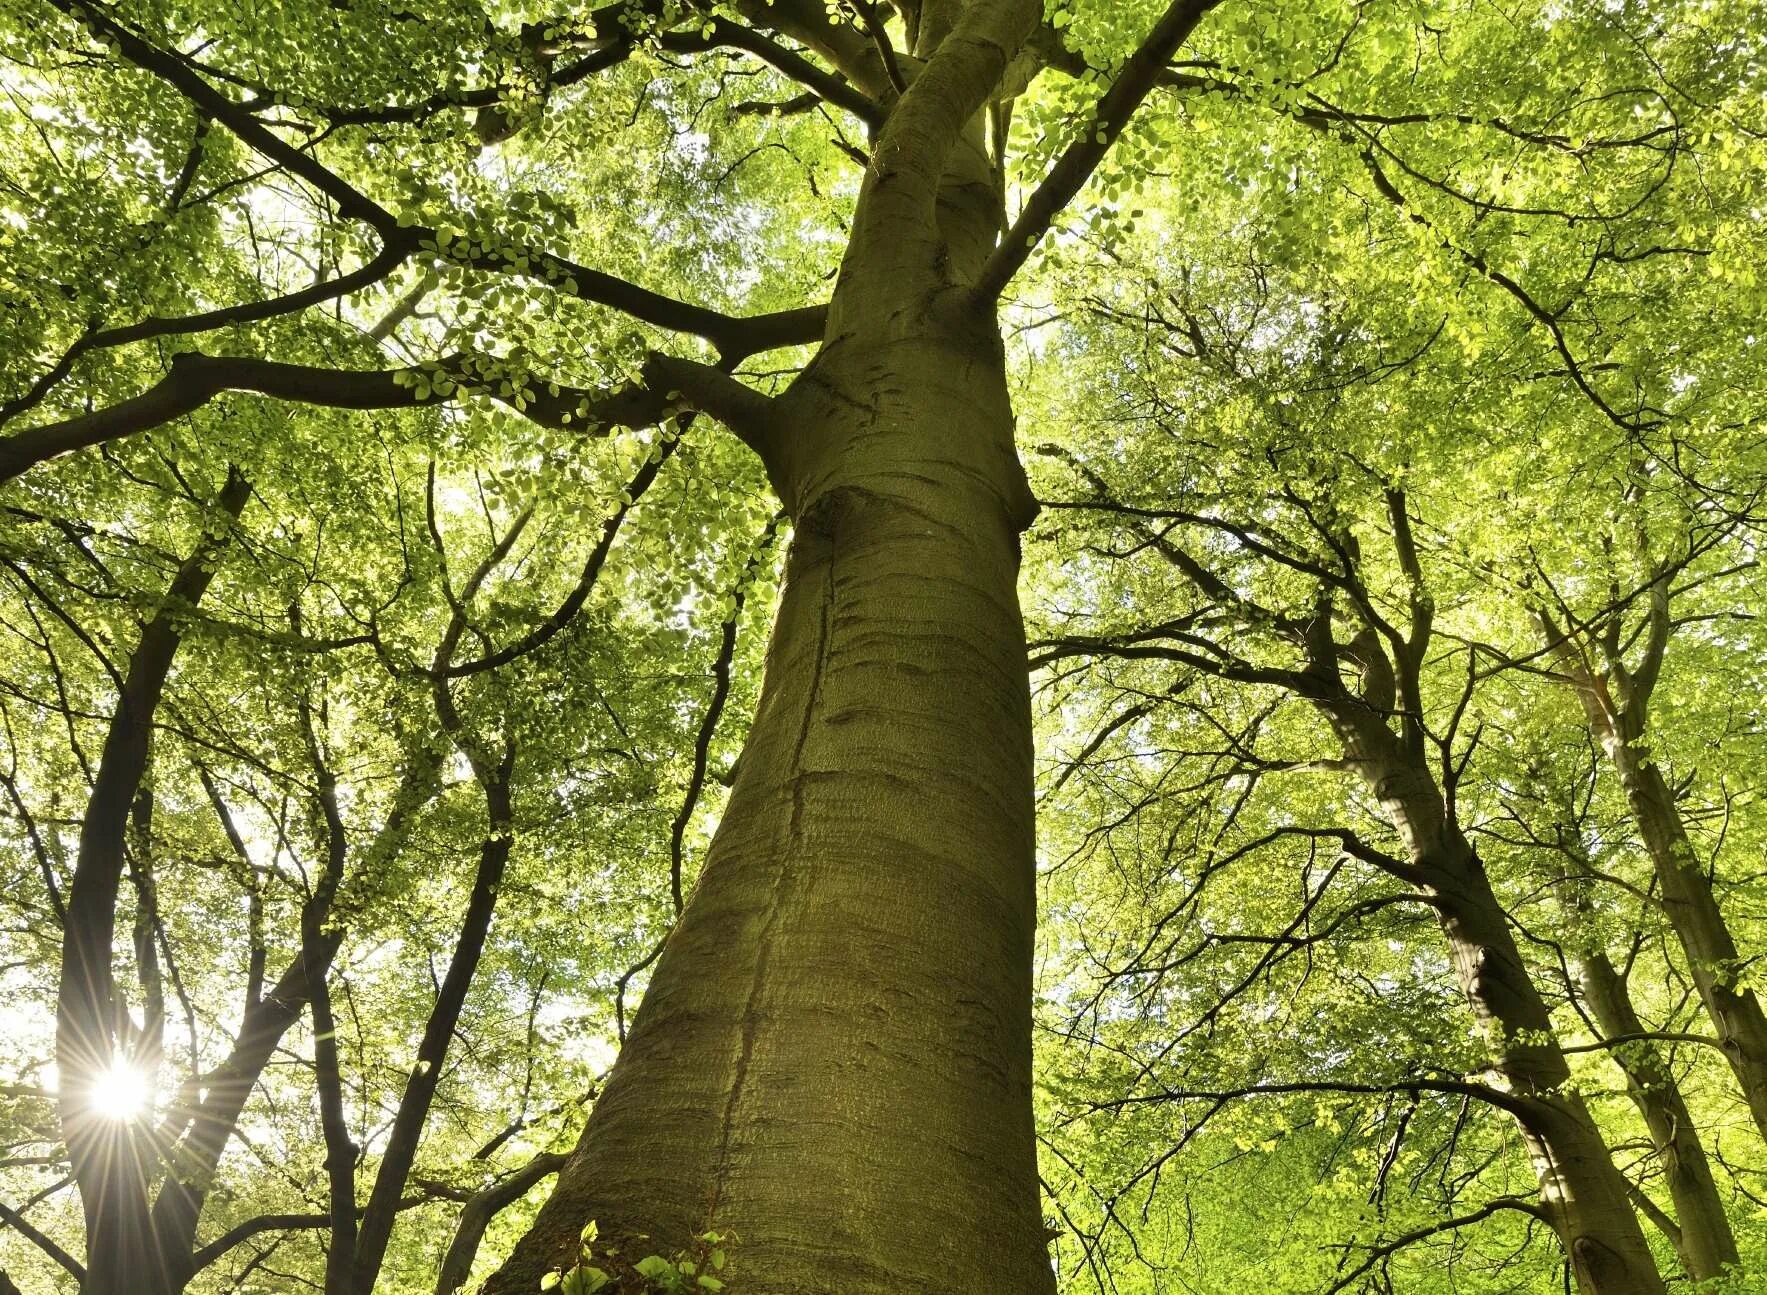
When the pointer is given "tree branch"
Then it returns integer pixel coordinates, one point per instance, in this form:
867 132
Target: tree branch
1485 1211
195 378
480 1209
13 1219
1075 166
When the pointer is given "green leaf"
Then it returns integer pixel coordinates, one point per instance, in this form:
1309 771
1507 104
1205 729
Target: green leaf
655 1267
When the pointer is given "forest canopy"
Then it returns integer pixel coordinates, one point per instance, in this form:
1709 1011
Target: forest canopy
883 647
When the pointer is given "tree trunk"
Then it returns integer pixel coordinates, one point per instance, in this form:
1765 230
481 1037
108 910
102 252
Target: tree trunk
1583 1195
1693 912
1705 1244
1701 1231
832 1062
113 1160
406 1133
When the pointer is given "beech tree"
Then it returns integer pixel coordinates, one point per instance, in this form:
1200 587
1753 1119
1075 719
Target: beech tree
522 769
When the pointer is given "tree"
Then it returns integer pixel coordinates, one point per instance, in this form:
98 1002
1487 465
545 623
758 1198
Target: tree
455 658
1616 699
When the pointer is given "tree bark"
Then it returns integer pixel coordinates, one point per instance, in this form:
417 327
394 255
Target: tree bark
1701 1233
1616 704
1583 1195
832 1062
1385 742
1705 1241
113 1160
1693 912
340 1151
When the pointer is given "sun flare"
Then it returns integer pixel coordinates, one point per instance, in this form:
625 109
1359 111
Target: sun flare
121 1092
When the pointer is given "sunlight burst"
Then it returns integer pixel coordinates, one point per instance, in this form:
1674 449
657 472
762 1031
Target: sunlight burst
120 1093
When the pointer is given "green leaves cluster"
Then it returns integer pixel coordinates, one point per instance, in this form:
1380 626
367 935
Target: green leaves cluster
692 1270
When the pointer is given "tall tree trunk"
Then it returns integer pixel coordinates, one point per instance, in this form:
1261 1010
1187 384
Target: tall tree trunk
1583 1195
832 1062
1705 1242
113 1159
1702 1235
1616 703
833 1058
1582 1192
1693 913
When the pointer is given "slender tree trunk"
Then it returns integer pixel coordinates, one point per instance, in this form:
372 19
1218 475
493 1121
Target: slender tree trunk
113 1160
1583 1195
209 1123
340 1151
1701 1235
193 1159
1705 1241
1699 924
375 1232
1616 704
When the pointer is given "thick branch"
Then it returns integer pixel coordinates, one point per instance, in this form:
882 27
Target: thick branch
1075 166
195 379
480 1209
217 1249
369 273
13 1219
827 86
735 337
811 24
211 103
898 201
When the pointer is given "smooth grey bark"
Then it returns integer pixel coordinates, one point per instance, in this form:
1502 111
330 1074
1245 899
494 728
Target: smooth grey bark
1692 908
832 1062
1703 1238
1701 1233
1616 702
